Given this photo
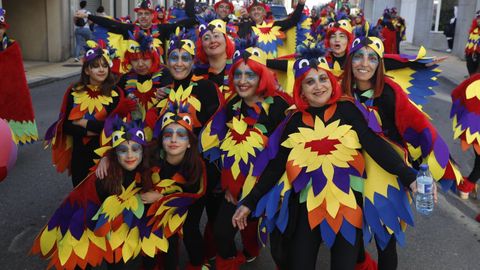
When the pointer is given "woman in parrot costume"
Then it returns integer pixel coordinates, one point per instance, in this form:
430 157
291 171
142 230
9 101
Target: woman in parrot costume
116 34
465 115
253 116
86 104
312 190
204 100
390 113
215 50
338 38
472 48
143 81
15 100
115 220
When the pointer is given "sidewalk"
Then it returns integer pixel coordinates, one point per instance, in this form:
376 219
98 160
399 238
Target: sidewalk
453 69
39 73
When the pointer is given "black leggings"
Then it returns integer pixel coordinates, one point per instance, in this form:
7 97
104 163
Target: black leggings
472 64
192 236
387 258
475 174
300 250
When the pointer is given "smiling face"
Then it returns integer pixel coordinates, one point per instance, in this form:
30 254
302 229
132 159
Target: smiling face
214 43
246 82
145 18
129 154
141 65
257 13
97 71
223 10
316 88
338 43
180 63
175 141
364 64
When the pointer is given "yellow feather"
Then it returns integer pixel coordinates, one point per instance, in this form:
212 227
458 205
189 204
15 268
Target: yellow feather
48 239
81 248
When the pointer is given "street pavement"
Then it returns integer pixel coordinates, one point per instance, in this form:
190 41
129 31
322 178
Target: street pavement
448 239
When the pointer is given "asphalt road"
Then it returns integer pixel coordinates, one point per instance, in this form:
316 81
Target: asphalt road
448 239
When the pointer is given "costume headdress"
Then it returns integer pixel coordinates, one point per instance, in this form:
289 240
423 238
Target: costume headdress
93 50
3 19
176 109
142 42
121 130
310 55
247 49
181 40
217 4
257 3
367 36
145 5
211 22
340 22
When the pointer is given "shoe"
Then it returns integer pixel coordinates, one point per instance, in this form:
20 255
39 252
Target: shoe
76 59
465 188
249 258
449 50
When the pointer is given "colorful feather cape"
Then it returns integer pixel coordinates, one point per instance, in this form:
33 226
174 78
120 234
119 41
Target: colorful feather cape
465 113
246 148
423 141
324 167
88 104
84 230
15 100
416 77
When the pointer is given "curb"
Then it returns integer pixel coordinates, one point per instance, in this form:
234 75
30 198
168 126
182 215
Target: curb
46 80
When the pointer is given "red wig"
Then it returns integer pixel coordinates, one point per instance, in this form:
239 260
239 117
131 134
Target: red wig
267 84
232 8
154 56
202 56
301 103
332 30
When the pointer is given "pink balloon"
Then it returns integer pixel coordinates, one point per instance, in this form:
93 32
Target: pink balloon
8 154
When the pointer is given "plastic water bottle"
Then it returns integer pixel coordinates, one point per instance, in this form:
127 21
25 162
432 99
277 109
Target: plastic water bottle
424 197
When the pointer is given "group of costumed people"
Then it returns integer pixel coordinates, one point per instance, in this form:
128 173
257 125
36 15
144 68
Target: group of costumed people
282 133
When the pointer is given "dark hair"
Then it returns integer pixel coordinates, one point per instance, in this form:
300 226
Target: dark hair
191 167
100 9
348 80
109 82
83 4
114 179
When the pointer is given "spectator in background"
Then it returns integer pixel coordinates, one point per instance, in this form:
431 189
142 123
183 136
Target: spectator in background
82 31
450 30
472 50
314 15
101 11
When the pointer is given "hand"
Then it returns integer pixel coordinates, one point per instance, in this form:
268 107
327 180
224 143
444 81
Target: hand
80 122
243 12
102 169
124 107
150 196
81 14
161 93
413 188
239 219
229 197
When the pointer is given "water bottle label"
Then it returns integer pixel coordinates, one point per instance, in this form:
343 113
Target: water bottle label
424 188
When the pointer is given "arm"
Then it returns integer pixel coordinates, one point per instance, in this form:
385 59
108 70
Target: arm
190 8
111 25
377 147
167 29
68 126
293 19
